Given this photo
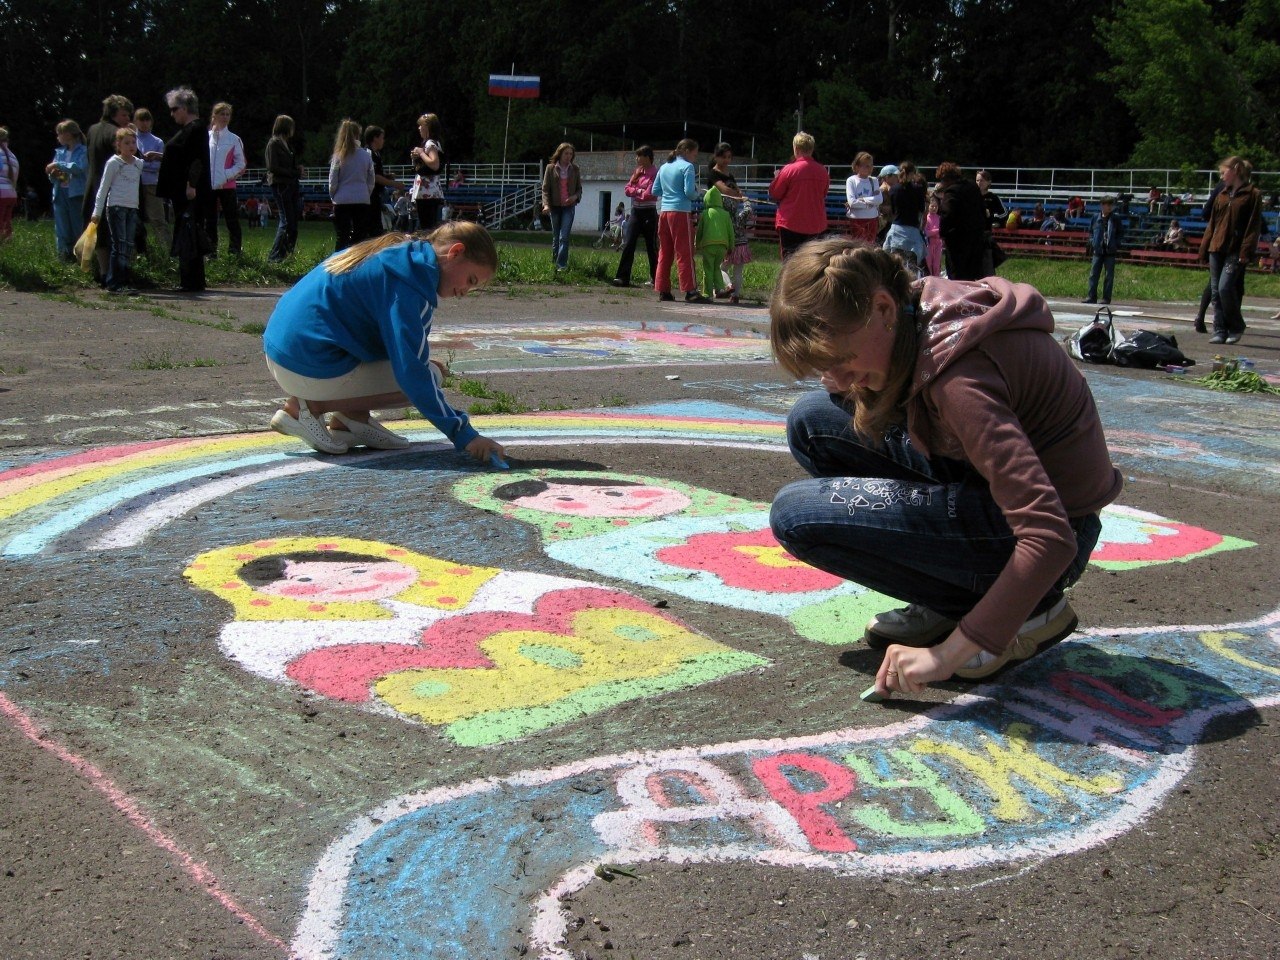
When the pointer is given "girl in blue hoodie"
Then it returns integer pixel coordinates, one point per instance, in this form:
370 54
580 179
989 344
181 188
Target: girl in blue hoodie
353 336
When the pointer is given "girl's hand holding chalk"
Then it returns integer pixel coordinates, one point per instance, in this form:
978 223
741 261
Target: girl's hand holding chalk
488 452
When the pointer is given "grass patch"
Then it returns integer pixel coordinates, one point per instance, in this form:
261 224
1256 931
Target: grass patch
164 361
29 262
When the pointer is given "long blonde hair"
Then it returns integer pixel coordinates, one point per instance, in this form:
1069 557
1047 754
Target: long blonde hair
824 292
477 245
348 138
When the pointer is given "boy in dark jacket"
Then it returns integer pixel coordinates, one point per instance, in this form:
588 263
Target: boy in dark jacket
1106 230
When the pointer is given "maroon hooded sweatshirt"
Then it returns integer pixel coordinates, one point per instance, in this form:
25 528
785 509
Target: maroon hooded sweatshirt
994 388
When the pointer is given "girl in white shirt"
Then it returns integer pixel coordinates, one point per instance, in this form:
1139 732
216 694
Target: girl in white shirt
862 198
226 162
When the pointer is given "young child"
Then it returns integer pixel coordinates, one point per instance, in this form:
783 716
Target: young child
676 187
118 196
69 171
713 241
618 225
933 238
956 456
353 336
9 170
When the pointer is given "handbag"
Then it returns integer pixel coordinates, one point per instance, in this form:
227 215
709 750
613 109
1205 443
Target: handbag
84 248
1147 350
1097 340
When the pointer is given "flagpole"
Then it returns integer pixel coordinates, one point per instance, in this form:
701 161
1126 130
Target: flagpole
506 133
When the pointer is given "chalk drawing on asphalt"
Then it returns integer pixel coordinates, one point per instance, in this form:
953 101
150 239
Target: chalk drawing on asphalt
486 655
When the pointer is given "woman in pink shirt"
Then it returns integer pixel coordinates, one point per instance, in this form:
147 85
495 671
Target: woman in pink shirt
800 189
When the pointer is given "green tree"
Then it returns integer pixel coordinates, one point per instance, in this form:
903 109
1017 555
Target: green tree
1171 68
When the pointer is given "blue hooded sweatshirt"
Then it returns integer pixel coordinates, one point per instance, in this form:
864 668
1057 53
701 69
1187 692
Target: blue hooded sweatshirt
329 324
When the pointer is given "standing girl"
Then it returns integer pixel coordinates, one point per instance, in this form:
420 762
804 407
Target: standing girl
69 170
643 222
561 191
676 187
119 196
933 238
739 209
969 442
282 175
428 166
350 184
226 162
1229 243
8 185
353 335
862 198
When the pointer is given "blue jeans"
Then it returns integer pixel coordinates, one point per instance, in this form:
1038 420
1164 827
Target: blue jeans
561 227
288 199
124 224
927 531
1226 289
68 222
1100 264
908 240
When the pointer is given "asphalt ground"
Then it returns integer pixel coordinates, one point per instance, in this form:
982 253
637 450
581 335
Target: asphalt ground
584 731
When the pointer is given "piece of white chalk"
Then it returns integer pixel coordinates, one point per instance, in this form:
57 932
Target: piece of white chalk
872 695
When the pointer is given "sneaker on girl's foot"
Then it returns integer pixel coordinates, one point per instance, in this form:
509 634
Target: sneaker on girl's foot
307 429
1036 635
912 626
372 434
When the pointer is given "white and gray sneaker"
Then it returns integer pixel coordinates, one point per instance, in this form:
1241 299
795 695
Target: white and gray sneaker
307 429
1035 636
914 625
372 434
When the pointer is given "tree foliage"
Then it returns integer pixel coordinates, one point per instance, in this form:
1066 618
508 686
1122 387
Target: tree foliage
999 82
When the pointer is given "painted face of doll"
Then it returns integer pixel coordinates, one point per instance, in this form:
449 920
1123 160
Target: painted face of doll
349 581
605 500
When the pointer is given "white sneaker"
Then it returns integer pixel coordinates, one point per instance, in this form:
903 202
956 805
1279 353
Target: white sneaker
914 625
307 429
1036 635
372 434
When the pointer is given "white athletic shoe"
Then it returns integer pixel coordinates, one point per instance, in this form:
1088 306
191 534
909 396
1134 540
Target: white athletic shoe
307 429
912 626
1036 635
372 434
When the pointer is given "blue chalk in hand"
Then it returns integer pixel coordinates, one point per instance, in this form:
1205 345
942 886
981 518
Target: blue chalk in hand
871 695
498 462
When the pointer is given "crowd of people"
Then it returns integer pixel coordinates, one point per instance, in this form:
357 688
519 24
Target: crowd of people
120 189
894 208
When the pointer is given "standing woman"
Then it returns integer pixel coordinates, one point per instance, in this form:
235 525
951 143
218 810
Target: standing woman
1229 243
963 223
561 191
68 170
226 162
800 189
282 176
350 185
374 138
676 187
8 185
643 221
862 198
740 254
428 166
183 180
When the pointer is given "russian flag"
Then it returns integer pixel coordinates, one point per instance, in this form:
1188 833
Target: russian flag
523 88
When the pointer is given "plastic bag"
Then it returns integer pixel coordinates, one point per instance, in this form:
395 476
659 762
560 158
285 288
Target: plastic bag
1097 340
84 248
1147 350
